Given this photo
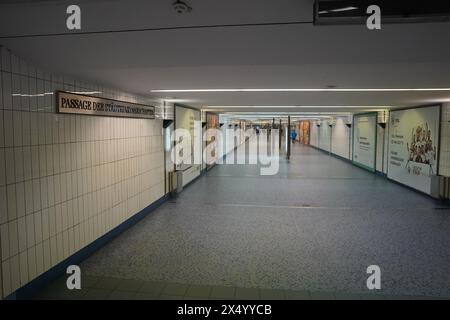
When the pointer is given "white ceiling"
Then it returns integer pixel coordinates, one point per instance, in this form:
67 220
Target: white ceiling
271 56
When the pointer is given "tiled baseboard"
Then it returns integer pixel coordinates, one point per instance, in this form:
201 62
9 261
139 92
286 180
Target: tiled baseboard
106 288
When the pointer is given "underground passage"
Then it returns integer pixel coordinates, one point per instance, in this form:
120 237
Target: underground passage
256 151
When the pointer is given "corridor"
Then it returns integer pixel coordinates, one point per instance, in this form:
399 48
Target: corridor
308 232
135 160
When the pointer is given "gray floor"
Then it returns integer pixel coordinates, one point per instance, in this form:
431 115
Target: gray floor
308 232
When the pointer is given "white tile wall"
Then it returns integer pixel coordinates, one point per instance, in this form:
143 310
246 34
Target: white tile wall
335 139
65 180
382 143
325 136
341 136
314 134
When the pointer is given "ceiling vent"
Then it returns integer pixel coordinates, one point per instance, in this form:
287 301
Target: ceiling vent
181 7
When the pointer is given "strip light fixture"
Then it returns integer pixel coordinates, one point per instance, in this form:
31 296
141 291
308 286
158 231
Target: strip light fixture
305 107
304 90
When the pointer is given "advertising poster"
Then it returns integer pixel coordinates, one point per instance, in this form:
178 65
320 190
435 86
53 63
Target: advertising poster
212 122
185 118
304 132
364 140
413 146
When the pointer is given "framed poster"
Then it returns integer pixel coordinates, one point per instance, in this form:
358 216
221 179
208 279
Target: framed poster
186 118
365 140
304 132
414 146
212 122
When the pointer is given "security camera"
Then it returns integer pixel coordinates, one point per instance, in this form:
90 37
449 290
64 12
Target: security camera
181 7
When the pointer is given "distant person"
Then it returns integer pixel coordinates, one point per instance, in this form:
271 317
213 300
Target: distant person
293 136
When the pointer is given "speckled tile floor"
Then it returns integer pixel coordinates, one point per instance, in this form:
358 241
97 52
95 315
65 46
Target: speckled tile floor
308 232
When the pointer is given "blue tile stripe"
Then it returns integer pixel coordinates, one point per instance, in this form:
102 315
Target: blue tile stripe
31 288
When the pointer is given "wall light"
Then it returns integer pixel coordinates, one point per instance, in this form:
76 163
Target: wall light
86 92
51 93
344 9
31 95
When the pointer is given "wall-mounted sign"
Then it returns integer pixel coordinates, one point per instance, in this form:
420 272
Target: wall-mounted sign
364 140
82 104
414 146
